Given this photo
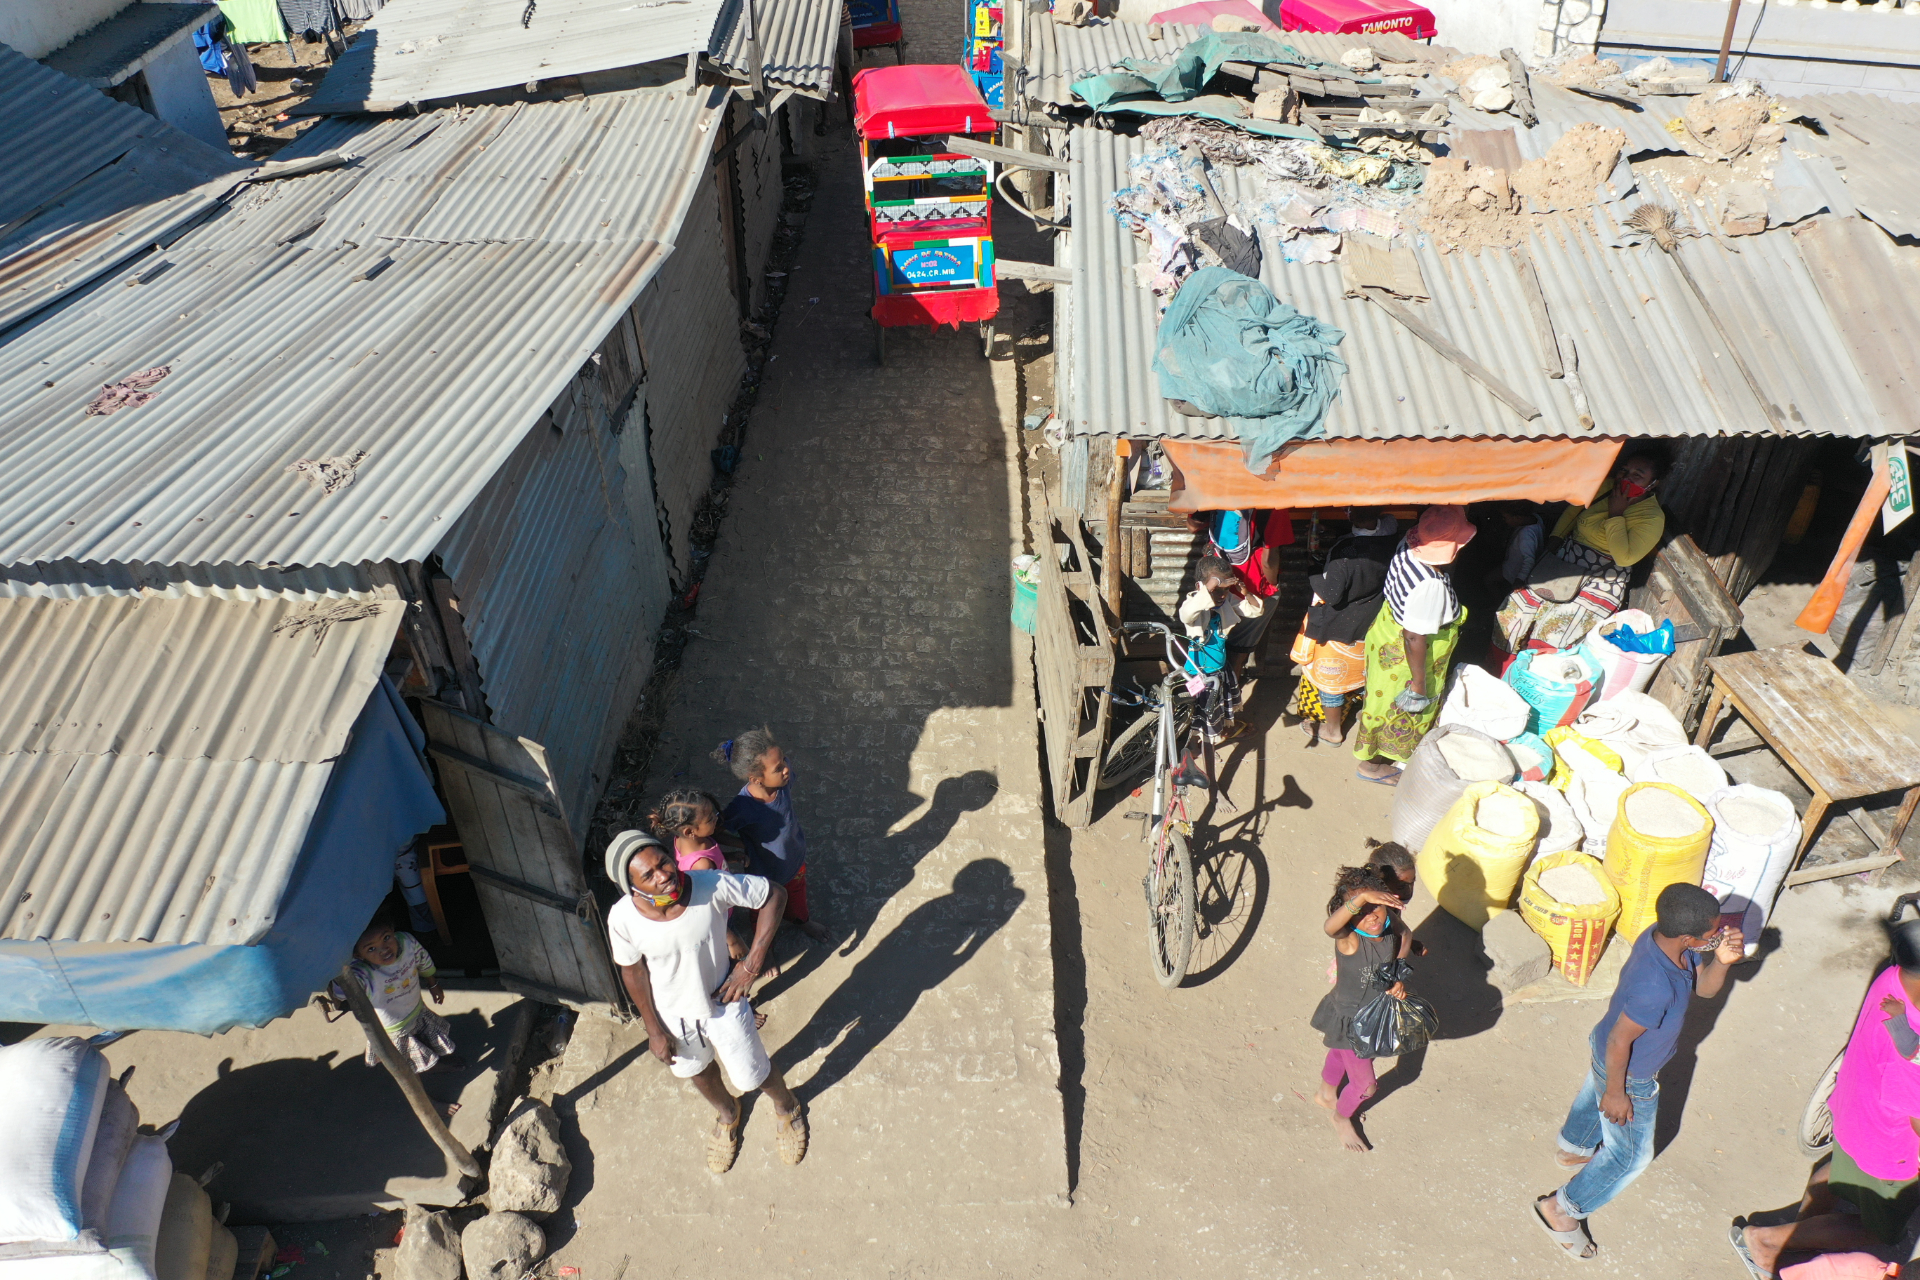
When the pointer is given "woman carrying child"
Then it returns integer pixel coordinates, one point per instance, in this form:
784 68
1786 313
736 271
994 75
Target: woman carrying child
1363 921
1217 604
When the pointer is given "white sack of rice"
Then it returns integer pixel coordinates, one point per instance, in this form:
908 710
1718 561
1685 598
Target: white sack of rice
1760 816
1476 759
1693 771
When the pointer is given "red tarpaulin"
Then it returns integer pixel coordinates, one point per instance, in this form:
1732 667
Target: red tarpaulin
1358 17
916 99
1338 473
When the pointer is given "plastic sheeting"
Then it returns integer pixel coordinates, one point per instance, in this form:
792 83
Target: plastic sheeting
379 798
1230 348
1336 473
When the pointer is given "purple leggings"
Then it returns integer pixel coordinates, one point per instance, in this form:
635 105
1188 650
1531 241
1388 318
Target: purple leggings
1359 1075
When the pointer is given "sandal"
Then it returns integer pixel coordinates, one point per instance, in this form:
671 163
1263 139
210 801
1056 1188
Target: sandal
1569 1241
723 1144
791 1139
1568 1160
1385 780
1737 1237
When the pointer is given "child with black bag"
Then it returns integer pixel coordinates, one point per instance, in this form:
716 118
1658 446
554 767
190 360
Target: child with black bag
1364 922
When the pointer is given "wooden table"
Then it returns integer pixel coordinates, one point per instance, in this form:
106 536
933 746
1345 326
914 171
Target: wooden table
1824 729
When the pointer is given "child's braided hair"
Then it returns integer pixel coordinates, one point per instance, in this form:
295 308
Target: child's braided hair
1349 879
680 810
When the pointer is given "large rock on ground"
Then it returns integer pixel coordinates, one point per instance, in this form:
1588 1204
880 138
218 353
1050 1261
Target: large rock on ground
530 1166
1520 956
502 1246
430 1247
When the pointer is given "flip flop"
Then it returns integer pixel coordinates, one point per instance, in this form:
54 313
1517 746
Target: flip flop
1568 1241
1390 780
1737 1237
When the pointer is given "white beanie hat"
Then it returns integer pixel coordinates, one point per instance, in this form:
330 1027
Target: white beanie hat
620 851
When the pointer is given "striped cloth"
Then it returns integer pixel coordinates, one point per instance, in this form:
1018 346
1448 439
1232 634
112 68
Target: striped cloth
1406 576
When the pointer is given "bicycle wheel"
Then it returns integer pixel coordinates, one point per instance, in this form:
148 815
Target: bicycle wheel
1132 751
1815 1134
1170 909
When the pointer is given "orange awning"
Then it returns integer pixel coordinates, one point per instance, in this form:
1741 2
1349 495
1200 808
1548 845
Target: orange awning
1338 473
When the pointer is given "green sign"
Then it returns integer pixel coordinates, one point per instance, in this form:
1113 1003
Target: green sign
1899 503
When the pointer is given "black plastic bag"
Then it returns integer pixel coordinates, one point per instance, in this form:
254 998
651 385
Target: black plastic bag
1387 1028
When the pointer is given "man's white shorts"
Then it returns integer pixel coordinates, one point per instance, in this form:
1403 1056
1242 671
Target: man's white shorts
729 1036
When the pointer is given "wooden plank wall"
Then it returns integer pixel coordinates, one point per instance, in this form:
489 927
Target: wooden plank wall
1073 661
501 798
1734 496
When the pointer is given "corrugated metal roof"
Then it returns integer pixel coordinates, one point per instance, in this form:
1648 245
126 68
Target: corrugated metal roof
457 278
419 51
1871 140
1649 358
162 753
798 42
1057 55
1560 109
88 181
561 600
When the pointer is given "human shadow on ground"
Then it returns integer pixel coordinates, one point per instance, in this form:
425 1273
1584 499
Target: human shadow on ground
1676 1078
923 951
1069 990
1452 975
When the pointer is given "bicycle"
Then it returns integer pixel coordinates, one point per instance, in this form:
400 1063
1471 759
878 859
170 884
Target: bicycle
1814 1136
1132 749
1172 908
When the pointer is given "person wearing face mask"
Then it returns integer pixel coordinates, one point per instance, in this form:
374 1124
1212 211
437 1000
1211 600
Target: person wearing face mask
1582 578
1363 919
1608 1134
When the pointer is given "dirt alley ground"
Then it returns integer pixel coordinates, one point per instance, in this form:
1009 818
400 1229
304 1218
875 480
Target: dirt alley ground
1181 1138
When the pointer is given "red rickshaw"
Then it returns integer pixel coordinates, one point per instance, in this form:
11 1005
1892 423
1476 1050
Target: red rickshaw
929 208
876 24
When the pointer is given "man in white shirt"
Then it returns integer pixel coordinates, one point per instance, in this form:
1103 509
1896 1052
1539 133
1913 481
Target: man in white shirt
669 938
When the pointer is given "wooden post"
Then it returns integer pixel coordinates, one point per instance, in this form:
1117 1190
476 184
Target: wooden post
1110 556
1726 40
403 1075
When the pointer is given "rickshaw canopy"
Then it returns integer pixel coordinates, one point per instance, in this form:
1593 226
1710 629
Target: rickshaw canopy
918 98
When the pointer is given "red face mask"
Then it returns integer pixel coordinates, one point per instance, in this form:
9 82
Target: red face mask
1633 491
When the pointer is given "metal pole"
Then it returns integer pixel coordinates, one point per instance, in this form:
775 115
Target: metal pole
1726 40
403 1075
755 71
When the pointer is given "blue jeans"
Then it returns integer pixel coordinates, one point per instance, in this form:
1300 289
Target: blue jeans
1620 1152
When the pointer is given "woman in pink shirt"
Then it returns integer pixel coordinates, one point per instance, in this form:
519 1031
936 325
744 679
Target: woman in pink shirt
1876 1127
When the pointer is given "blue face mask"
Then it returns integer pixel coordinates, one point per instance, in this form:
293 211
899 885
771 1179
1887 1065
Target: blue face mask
1389 929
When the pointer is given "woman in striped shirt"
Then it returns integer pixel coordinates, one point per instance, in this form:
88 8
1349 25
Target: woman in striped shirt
1411 644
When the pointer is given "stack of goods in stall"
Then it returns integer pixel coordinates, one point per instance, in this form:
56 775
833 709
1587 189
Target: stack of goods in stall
1628 650
1478 699
1588 773
1660 836
980 53
1568 900
1560 827
1755 835
1633 725
1473 860
1556 684
1689 768
1448 760
83 1194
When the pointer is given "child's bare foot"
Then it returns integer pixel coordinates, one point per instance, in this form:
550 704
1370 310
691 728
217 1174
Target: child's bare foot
759 1019
1324 1096
1349 1135
814 929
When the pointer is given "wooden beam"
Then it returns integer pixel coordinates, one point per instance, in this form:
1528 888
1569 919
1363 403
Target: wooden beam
1828 870
404 1075
1010 269
1440 342
1006 155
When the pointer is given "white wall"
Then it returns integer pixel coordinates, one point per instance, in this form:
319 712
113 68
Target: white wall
38 27
1487 26
178 84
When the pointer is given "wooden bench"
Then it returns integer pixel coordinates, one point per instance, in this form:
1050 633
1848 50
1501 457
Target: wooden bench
1824 729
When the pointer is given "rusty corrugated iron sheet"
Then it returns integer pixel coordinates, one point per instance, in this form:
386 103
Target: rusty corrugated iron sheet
410 315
